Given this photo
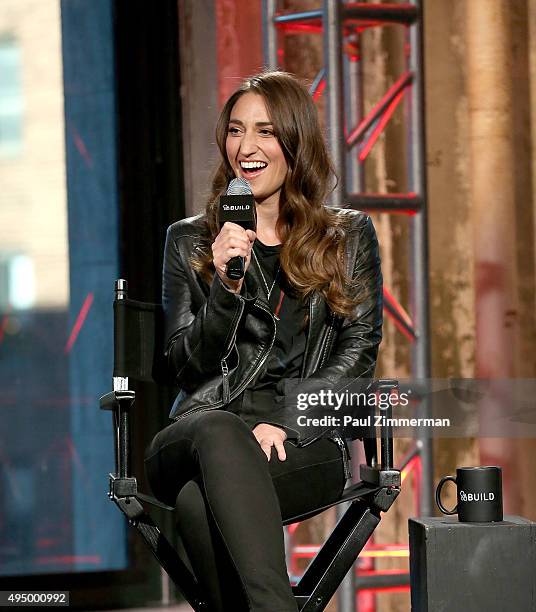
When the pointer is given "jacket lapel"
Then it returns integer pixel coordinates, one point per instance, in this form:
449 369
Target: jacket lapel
255 284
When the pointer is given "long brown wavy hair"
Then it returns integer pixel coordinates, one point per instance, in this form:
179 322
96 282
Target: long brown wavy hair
312 251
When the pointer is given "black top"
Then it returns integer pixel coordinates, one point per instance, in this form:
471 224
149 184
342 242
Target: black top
286 357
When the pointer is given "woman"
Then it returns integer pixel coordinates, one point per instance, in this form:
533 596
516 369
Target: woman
235 462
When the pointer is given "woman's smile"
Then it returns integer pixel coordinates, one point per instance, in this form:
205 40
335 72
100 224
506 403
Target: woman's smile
252 169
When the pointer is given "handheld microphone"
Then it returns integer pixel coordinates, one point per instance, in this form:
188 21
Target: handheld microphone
238 206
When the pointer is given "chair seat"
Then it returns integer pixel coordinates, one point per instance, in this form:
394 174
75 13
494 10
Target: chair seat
351 493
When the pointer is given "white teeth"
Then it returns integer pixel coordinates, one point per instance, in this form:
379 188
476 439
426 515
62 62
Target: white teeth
253 164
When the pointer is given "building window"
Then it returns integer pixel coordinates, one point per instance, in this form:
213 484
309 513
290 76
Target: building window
17 282
10 97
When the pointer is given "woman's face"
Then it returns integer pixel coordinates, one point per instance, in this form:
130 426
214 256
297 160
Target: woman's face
253 150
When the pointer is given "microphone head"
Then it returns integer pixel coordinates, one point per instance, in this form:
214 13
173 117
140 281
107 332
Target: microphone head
239 186
238 205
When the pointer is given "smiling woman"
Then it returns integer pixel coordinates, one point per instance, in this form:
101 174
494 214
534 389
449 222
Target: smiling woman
309 307
253 150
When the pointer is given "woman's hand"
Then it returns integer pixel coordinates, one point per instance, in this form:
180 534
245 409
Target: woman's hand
268 436
232 241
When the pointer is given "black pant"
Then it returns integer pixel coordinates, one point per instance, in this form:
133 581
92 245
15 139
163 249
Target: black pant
231 501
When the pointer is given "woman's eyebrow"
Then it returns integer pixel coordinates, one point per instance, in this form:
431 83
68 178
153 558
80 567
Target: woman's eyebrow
258 123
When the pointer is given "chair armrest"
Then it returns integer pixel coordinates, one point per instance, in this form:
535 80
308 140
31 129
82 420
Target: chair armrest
117 399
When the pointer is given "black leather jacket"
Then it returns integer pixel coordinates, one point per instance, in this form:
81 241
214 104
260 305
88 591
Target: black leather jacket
217 340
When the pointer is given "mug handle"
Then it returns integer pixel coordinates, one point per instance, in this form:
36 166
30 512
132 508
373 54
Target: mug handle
438 495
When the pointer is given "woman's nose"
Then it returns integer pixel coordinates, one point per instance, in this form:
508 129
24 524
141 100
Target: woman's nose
248 143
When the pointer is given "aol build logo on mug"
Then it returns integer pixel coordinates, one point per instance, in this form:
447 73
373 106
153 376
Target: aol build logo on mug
479 494
475 497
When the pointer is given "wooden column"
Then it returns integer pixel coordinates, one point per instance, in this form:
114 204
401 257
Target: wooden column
239 40
493 212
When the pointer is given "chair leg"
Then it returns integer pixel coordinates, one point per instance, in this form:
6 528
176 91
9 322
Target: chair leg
165 554
336 557
168 558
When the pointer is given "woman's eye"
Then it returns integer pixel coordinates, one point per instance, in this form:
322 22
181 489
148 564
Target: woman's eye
266 132
233 130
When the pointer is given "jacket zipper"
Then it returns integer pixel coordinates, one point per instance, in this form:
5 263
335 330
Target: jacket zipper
307 341
345 458
264 357
225 373
225 381
328 339
224 366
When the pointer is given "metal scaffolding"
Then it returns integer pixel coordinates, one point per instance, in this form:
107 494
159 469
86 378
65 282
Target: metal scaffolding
347 127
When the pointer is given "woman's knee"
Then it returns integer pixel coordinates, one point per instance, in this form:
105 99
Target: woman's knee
209 424
219 426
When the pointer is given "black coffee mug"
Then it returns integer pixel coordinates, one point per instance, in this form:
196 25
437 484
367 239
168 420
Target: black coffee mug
479 494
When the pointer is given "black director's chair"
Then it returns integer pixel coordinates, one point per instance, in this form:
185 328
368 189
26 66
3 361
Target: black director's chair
138 354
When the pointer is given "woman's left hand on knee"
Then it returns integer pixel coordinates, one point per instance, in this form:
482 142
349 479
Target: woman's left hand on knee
269 435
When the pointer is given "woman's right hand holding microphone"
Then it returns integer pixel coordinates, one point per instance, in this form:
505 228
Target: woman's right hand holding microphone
232 241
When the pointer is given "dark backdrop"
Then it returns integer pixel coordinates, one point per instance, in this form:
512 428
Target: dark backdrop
125 53
151 192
